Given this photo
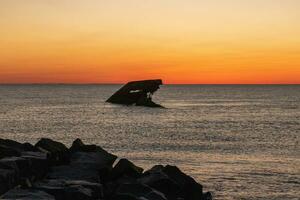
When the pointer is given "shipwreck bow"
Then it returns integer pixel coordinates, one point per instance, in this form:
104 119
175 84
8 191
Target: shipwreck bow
137 93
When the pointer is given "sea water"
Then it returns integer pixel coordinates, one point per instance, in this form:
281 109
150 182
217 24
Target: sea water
238 141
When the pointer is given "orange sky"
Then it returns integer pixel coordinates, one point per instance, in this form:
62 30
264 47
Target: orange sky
190 41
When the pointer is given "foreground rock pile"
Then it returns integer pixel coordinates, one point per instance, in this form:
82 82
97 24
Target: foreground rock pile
50 170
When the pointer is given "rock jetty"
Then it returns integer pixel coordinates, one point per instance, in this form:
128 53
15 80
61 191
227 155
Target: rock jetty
50 170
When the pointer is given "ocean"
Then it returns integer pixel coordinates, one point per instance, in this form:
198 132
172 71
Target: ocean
238 141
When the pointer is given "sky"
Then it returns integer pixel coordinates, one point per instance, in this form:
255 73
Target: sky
179 41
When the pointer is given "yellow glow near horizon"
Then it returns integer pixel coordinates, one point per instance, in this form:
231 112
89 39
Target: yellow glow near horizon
192 41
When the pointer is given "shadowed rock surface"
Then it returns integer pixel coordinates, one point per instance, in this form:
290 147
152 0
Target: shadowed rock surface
50 170
137 93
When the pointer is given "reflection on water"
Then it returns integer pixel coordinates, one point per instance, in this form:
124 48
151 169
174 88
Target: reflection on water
241 142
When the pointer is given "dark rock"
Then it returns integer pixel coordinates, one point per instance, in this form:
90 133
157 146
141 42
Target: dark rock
125 167
29 147
8 178
111 186
17 146
161 182
6 151
22 165
64 190
59 153
100 161
27 194
138 191
79 146
39 163
85 167
67 172
91 154
124 197
137 92
207 196
189 187
11 144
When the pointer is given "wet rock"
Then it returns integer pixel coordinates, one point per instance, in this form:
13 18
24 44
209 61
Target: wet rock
26 194
59 153
125 167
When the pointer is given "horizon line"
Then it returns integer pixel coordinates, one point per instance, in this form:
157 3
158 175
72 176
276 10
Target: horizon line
163 84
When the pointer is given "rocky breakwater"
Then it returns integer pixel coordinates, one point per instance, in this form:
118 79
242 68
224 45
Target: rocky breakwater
50 170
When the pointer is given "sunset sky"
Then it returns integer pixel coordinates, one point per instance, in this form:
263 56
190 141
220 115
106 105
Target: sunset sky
180 41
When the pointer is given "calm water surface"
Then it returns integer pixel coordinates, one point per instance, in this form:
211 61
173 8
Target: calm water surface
241 142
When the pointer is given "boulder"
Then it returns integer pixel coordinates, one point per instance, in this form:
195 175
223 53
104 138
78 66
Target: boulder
78 145
124 197
71 173
59 153
207 196
26 194
39 163
138 191
11 143
29 147
6 151
8 178
96 160
17 146
112 185
64 190
190 189
161 182
126 168
21 165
